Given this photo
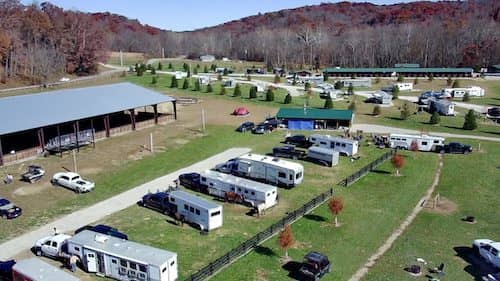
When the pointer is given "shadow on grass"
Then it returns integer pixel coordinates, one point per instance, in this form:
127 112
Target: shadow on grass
293 270
476 266
393 118
265 251
453 127
381 172
314 217
491 132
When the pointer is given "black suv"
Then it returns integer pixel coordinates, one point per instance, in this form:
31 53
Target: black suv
315 265
104 229
246 126
298 140
288 152
456 147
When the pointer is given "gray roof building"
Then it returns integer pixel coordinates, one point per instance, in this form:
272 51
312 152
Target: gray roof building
38 270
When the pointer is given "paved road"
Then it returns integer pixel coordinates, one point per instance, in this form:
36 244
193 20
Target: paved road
109 206
378 129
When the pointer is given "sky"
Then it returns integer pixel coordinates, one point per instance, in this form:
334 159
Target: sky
187 14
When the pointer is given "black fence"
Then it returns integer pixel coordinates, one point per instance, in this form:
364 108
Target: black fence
366 169
256 240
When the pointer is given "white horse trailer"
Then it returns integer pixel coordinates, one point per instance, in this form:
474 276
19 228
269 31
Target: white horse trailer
404 86
122 259
323 155
256 194
342 145
269 169
424 142
473 91
195 209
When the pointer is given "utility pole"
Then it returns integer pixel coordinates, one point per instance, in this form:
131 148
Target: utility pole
151 142
75 168
121 58
203 120
162 52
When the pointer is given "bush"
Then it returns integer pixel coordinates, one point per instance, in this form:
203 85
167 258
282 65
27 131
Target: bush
376 110
277 79
269 95
338 85
185 85
415 81
153 71
328 103
449 81
209 88
350 89
395 93
470 121
288 99
253 92
352 106
153 80
431 77
237 91
405 112
173 83
456 84
197 86
222 90
435 118
401 78
170 65
160 66
466 97
205 69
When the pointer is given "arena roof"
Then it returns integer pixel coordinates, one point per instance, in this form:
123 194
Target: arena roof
25 112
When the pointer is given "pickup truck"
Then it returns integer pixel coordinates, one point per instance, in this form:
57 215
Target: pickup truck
54 246
456 147
289 152
298 140
158 202
34 173
315 266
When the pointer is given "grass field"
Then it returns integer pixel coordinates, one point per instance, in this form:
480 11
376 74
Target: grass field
129 58
236 65
469 187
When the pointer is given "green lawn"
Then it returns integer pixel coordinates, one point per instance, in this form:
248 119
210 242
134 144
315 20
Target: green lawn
471 182
237 66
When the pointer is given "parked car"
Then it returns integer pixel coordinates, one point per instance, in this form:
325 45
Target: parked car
298 140
6 270
315 266
9 210
104 229
72 181
262 129
456 147
246 126
288 152
34 173
272 121
157 201
489 250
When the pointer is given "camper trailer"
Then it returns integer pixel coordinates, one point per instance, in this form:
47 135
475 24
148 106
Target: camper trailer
473 91
424 142
381 97
266 169
34 269
443 107
404 86
122 259
325 156
344 146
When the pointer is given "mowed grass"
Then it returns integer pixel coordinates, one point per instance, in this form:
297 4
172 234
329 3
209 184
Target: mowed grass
236 65
373 208
195 250
471 182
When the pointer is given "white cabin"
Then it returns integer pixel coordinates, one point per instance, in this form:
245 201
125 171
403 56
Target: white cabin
269 169
122 259
195 209
344 146
254 193
323 155
473 91
402 86
424 142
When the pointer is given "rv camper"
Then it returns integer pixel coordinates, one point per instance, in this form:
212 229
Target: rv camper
34 269
122 259
460 92
381 97
325 156
424 142
265 168
344 146
443 107
404 86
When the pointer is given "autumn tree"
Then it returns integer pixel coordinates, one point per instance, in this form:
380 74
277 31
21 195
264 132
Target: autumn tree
405 111
398 161
286 239
336 205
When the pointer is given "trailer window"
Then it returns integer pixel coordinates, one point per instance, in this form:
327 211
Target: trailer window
141 276
332 145
133 265
436 141
298 176
164 269
172 199
343 145
113 261
77 249
203 179
197 211
172 263
191 209
215 214
232 188
322 142
142 268
54 244
424 143
337 144
281 175
123 263
239 189
186 207
131 273
253 193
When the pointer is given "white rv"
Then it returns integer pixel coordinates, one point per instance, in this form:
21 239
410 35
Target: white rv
424 142
323 155
195 209
256 194
441 106
268 169
122 259
342 145
404 86
473 91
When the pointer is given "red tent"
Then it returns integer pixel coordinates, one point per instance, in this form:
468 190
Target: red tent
241 111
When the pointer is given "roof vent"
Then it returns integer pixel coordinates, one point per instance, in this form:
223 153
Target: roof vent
99 238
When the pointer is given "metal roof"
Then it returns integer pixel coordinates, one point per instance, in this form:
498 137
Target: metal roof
123 248
194 199
275 161
314 113
400 70
25 112
38 270
398 65
249 184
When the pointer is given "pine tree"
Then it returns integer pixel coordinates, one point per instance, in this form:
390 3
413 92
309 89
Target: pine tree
435 118
350 89
185 66
456 84
269 95
449 81
197 86
173 83
188 73
277 79
338 85
376 110
237 91
405 112
470 121
225 72
160 66
466 97
328 103
253 92
205 69
352 106
401 78
153 80
195 71
395 93
170 65
139 71
209 88
288 99
153 71
222 91
185 84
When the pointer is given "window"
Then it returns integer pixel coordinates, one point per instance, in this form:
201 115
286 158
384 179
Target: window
186 207
281 175
197 212
65 178
424 143
203 179
494 252
54 244
164 269
337 144
172 263
246 191
113 261
133 265
131 273
274 192
191 209
232 188
123 263
299 175
239 189
141 276
122 271
77 249
215 214
332 145
47 243
172 199
322 142
343 145
142 268
269 194
253 193
436 141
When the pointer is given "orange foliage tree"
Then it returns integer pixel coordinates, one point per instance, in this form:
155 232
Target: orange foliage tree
286 239
336 206
398 161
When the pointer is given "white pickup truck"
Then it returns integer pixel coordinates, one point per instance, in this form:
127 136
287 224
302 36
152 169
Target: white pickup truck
52 246
489 250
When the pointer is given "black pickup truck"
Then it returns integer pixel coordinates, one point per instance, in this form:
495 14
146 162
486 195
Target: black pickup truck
289 152
315 266
456 147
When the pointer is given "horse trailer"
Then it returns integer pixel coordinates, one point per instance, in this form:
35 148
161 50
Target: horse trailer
323 155
403 86
197 210
473 91
424 142
344 146
441 106
34 269
122 259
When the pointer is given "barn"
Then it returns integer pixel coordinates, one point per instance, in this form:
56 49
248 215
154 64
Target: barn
66 119
313 118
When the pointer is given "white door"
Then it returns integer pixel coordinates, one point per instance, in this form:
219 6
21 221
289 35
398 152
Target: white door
172 270
49 248
91 261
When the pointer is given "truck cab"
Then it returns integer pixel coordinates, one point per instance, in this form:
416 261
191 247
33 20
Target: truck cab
52 246
159 201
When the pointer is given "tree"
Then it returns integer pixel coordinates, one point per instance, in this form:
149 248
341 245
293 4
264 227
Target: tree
270 94
249 78
170 65
277 79
338 85
307 86
376 110
237 91
456 84
395 92
213 67
328 103
195 71
466 97
398 161
225 72
222 91
188 74
414 146
219 77
160 66
286 239
431 77
205 69
405 112
197 86
449 81
336 205
415 81
377 79
153 80
209 88
401 78
185 84
288 99
435 118
470 121
153 71
139 71
352 106
252 92
185 66
325 77
173 83
350 89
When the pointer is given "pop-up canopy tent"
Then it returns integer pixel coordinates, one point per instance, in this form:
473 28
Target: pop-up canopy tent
241 111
